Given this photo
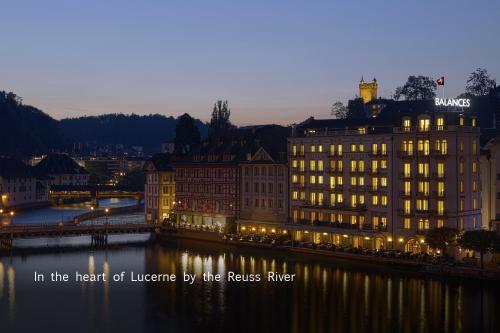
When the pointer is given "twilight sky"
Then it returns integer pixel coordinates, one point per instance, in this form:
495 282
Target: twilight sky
275 61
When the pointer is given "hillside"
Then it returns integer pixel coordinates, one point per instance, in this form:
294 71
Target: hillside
26 130
148 131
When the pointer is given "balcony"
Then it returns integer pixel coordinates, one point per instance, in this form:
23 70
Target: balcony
402 212
439 194
423 176
404 194
337 188
437 175
405 154
405 175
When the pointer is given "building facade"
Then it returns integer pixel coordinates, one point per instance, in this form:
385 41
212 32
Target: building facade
159 191
211 178
21 186
490 184
370 184
264 183
63 170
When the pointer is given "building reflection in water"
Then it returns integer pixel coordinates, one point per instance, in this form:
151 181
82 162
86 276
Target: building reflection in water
2 276
342 297
11 279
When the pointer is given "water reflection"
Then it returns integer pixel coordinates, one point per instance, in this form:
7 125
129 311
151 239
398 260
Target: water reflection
11 276
2 274
333 297
338 297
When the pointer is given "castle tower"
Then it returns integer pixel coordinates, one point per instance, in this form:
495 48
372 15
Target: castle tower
368 91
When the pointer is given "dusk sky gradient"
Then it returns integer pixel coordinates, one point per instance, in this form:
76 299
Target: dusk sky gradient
275 61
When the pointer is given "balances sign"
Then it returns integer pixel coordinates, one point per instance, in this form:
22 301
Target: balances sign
458 102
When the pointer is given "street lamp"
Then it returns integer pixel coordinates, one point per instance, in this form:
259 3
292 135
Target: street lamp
92 216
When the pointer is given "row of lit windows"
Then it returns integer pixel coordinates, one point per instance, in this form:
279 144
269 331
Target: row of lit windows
376 221
337 149
337 165
317 198
425 123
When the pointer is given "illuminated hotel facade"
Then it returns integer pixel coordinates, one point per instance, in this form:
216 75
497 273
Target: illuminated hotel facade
383 183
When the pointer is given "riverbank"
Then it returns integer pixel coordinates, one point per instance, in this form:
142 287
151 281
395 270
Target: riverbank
403 265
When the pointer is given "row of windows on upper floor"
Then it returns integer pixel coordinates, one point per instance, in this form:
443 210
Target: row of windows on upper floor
337 165
337 149
424 123
263 171
264 188
440 145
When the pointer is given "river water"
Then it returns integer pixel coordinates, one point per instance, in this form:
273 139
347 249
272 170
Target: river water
56 214
325 297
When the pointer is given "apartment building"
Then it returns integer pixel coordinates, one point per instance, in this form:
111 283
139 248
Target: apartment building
383 182
235 180
264 182
159 191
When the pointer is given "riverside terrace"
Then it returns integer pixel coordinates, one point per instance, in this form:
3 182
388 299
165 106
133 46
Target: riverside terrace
420 263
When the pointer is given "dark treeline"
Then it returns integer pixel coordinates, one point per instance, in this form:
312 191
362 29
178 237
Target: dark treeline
26 130
130 130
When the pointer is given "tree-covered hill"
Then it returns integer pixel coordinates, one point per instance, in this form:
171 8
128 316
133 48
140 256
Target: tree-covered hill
26 130
148 131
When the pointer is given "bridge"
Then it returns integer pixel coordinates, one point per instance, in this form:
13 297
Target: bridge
59 193
99 233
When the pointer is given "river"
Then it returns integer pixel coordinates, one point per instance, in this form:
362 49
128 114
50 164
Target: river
56 214
324 297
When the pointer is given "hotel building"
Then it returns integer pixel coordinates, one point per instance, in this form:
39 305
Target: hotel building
369 184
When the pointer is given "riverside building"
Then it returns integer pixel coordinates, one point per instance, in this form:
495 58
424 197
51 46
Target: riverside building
159 191
383 182
237 179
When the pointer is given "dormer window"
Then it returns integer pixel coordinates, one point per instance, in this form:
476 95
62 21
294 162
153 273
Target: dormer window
461 121
361 130
474 122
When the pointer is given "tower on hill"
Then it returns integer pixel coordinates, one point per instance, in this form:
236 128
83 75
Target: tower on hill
368 90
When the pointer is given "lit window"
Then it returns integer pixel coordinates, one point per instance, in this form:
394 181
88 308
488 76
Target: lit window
407 223
424 124
440 123
406 124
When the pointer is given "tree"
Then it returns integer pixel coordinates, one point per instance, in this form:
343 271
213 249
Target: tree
356 109
339 110
479 83
417 88
482 241
441 238
220 118
187 134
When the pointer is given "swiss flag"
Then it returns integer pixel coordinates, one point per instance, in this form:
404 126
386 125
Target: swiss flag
440 81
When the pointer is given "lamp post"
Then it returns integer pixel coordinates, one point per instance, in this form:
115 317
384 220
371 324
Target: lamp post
106 211
92 216
11 217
